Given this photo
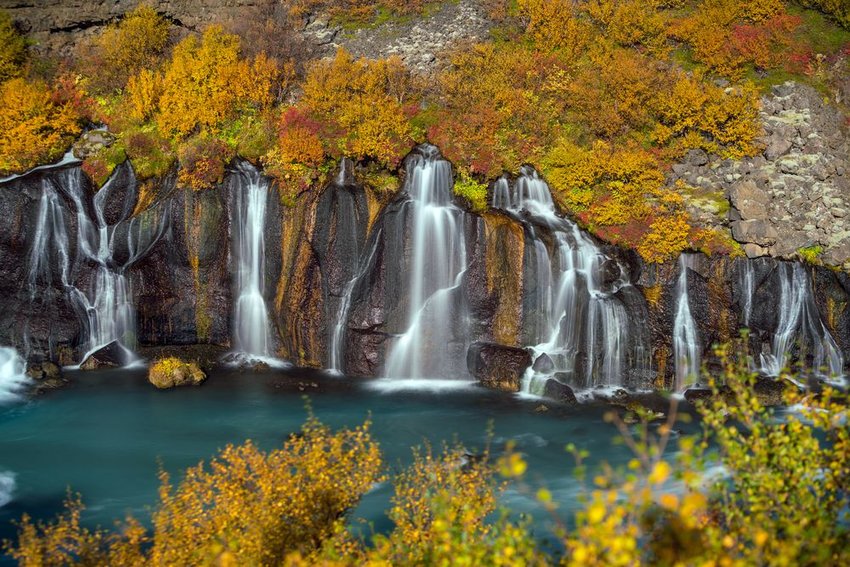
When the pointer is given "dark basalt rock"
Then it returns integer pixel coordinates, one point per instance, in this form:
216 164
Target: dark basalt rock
694 395
113 355
559 392
769 391
497 366
118 197
543 364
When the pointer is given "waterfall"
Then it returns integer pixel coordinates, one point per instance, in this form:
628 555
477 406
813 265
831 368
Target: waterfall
437 264
50 239
12 375
338 336
748 284
800 321
686 346
578 322
106 304
251 325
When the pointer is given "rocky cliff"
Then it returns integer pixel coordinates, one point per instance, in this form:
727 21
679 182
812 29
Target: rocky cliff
340 253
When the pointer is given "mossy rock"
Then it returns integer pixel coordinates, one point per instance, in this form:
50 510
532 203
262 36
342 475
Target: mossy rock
172 372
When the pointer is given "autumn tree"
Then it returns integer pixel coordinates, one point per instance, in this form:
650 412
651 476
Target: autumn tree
207 83
136 42
34 127
362 105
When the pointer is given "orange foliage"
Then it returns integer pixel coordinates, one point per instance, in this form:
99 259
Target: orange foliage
202 162
630 22
299 140
362 105
727 34
614 184
497 107
698 114
667 237
35 128
552 24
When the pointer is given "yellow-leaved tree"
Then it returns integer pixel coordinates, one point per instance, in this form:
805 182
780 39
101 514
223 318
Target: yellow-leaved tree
34 129
13 48
137 42
206 83
361 105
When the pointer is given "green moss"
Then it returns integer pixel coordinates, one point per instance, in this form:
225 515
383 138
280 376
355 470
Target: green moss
100 165
810 254
382 181
473 191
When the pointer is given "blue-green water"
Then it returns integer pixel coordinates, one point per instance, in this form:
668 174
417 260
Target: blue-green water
106 435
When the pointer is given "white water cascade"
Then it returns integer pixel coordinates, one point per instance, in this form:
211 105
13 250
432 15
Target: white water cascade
106 303
438 260
251 324
338 336
577 314
686 346
12 376
800 321
748 285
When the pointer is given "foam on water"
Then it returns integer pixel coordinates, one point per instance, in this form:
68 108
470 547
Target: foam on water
7 487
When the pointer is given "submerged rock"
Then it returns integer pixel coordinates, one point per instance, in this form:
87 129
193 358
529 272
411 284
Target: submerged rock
112 355
44 371
497 366
172 372
559 392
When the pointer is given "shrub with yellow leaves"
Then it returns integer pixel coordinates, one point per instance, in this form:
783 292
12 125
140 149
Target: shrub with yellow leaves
34 127
362 106
13 49
138 41
206 83
246 507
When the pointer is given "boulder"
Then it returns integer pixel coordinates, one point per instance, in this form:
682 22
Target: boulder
769 391
44 371
113 355
544 364
760 232
172 372
559 392
497 366
750 201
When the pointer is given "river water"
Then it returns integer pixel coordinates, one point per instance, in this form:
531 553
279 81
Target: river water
108 433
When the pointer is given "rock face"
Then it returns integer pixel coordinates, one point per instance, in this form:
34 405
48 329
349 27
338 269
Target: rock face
336 273
497 366
417 42
57 25
796 194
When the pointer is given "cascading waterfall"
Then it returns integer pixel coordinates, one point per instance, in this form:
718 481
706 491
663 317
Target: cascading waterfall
251 325
12 375
438 260
107 305
749 289
576 314
686 347
799 320
338 336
